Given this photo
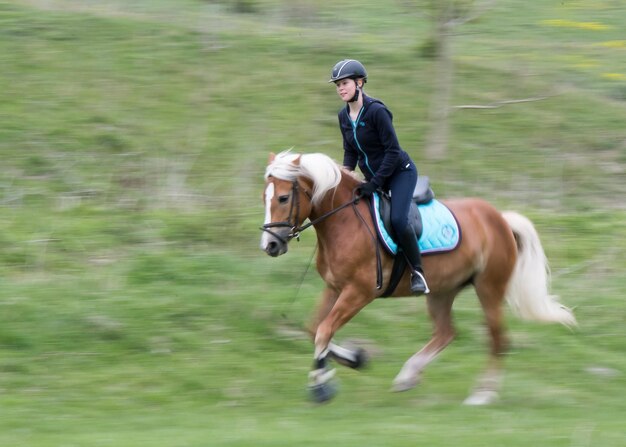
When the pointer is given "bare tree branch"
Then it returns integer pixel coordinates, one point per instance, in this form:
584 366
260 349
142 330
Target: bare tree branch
498 104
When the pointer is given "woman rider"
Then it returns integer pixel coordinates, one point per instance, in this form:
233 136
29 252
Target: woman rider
370 140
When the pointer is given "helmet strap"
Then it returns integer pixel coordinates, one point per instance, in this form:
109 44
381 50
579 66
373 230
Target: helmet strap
355 98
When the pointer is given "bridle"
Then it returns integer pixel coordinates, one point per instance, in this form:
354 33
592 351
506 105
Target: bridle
292 219
294 230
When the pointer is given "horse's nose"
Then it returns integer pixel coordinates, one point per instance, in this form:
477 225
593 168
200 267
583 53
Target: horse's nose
275 248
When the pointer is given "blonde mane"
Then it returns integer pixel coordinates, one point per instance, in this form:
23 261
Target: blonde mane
322 170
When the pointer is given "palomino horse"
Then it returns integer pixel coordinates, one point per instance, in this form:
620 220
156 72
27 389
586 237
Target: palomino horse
500 254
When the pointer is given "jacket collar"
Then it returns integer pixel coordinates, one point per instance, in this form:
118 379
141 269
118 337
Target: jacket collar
367 101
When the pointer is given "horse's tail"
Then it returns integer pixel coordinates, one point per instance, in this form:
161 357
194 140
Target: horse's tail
528 290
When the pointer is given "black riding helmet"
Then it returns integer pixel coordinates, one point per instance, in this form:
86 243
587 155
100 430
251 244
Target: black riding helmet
348 68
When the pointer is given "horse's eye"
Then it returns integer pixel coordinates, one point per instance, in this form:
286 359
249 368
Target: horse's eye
283 199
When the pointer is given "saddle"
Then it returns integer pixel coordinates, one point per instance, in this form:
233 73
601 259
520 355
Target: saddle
435 226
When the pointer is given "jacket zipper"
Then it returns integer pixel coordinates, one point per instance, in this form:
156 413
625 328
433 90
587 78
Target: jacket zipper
356 140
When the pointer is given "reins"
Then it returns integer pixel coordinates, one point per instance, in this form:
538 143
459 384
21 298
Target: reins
353 202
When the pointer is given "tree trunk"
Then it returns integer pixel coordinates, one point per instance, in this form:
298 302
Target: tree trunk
439 111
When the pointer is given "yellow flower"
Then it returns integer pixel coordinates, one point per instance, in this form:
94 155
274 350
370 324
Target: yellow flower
594 26
614 76
612 44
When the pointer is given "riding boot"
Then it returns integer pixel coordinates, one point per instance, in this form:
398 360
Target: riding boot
410 247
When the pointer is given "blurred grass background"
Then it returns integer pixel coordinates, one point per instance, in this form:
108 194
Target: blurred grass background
136 306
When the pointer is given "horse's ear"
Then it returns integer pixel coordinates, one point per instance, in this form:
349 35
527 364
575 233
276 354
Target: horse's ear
296 162
271 158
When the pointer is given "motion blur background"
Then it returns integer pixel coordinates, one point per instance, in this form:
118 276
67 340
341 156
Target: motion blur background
135 305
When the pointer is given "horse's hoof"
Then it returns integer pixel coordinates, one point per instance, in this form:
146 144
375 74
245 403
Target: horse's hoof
322 392
322 385
351 356
482 397
399 387
362 359
403 385
405 380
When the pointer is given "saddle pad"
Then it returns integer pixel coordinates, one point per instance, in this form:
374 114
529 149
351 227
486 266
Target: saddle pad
440 232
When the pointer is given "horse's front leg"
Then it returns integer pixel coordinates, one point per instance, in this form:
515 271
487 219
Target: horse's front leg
352 357
349 302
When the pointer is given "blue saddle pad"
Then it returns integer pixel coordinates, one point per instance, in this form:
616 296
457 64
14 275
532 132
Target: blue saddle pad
440 230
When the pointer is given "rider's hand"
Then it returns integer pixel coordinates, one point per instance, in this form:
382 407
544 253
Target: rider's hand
367 189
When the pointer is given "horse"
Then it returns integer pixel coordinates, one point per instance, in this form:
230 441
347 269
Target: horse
499 254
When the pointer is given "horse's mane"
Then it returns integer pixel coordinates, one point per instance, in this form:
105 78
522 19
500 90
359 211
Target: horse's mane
322 170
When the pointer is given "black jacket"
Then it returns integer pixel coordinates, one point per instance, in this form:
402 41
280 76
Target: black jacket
372 142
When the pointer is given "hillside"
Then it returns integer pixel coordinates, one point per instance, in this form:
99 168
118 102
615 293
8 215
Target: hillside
136 306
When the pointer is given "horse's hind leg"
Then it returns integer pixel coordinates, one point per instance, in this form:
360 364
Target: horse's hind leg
440 310
491 292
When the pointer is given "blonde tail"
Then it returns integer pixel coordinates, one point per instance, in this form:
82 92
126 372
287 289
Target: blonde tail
528 290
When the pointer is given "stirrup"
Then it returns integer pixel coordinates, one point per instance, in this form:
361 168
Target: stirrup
426 290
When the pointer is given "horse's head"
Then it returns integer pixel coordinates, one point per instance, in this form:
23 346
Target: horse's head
287 201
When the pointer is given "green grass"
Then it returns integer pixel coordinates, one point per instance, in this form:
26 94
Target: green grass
136 308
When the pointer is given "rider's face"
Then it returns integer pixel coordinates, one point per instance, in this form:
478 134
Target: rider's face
346 88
